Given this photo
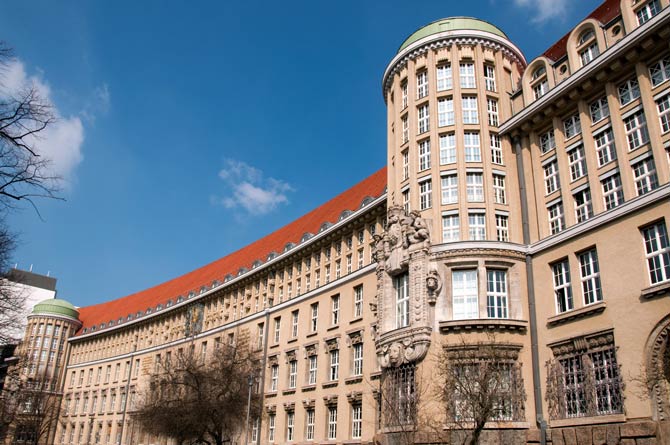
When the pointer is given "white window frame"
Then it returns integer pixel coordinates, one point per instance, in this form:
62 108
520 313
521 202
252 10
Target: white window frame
467 75
447 148
477 226
423 119
502 228
405 128
472 146
628 90
496 293
492 111
358 301
451 230
277 330
405 165
490 77
401 291
547 141
499 195
290 426
612 191
605 147
540 88
314 317
589 273
445 111
356 421
271 427
577 162
310 416
404 88
424 154
644 175
444 77
292 374
465 294
562 286
586 55
313 362
332 422
274 378
425 194
637 134
334 310
469 109
474 182
422 84
357 363
657 252
556 218
449 185
334 370
583 205
551 178
599 109
572 126
295 320
646 12
496 148
663 108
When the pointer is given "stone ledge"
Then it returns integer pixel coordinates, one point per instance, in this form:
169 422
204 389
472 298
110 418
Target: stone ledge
595 420
657 290
483 323
353 379
587 311
329 384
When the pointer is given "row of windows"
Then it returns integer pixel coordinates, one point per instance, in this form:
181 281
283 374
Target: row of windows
112 404
107 376
102 434
331 424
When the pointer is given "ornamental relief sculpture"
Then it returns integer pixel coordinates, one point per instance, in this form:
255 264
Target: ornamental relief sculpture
403 252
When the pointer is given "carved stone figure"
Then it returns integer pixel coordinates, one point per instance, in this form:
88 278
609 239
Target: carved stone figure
433 284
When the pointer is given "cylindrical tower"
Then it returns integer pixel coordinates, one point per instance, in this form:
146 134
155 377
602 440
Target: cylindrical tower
446 92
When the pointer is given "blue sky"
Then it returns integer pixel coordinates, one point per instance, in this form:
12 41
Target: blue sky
189 129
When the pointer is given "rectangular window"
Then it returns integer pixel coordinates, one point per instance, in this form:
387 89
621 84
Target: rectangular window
644 174
423 119
334 364
577 162
646 12
445 111
496 149
590 276
274 377
451 230
444 77
401 287
572 126
551 179
562 287
422 84
271 428
499 189
447 148
406 201
358 301
583 206
628 91
660 71
403 93
469 110
292 373
612 191
502 228
360 258
294 324
605 148
357 368
556 218
356 421
290 426
425 195
475 187
314 319
332 422
449 189
467 72
599 109
277 329
636 130
663 105
311 375
424 154
490 77
496 293
540 88
477 226
589 53
492 111
309 424
464 291
405 129
471 143
657 250
547 141
405 164
260 335
335 310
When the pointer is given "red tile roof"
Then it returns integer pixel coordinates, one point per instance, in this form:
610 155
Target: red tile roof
603 13
351 199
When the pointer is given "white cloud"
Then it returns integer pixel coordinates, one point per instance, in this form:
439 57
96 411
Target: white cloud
61 142
544 10
250 190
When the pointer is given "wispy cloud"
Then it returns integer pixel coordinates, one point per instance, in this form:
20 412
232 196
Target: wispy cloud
250 190
544 10
60 142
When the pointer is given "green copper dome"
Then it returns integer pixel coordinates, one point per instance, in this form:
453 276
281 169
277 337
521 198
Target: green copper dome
451 24
56 306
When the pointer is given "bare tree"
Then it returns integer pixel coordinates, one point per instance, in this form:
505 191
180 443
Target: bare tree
209 397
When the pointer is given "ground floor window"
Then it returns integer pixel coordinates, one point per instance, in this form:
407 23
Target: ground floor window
398 395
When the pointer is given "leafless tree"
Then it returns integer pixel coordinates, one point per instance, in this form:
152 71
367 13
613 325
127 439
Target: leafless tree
209 397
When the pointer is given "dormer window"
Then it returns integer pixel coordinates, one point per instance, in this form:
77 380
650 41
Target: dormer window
647 11
159 307
539 72
539 82
586 36
588 47
180 299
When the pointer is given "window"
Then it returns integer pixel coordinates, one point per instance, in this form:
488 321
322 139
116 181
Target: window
314 320
490 77
424 154
335 310
469 109
332 422
311 375
492 111
577 162
399 391
496 293
261 335
271 428
572 126
502 228
277 329
629 91
589 53
356 421
464 291
547 141
599 110
556 219
445 111
475 187
358 301
551 181
403 93
294 324
405 164
357 368
499 189
423 119
663 105
477 226
290 425
425 195
471 143
605 147
401 288
644 174
649 10
422 84
657 250
274 377
444 77
292 373
612 191
309 428
636 130
406 201
540 88
449 189
496 149
590 276
583 206
447 148
467 71
451 230
562 288
405 129
334 364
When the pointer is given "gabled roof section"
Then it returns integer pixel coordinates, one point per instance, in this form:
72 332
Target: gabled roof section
351 199
603 13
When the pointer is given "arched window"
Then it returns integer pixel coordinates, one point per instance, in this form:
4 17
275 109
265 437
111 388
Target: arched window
586 36
587 46
540 71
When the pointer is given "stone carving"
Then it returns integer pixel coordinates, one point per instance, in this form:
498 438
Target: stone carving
311 350
397 350
290 355
391 248
332 344
355 337
434 285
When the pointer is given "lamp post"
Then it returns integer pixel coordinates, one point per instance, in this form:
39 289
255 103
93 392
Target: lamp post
246 425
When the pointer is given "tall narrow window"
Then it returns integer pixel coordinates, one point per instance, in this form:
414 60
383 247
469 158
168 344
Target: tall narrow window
499 189
294 324
562 287
271 428
357 368
556 218
335 310
477 226
496 149
422 84
445 111
577 162
451 230
358 301
467 72
502 228
496 293
309 424
447 148
401 287
464 291
424 154
334 364
292 374
311 375
449 189
314 319
490 77
472 151
405 129
332 422
547 141
406 201
636 130
475 187
277 331
551 179
644 173
657 250
405 164
492 111
589 53
356 421
583 206
425 195
423 119
290 426
444 77
403 93
274 377
663 105
605 148
469 110
590 276
612 191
